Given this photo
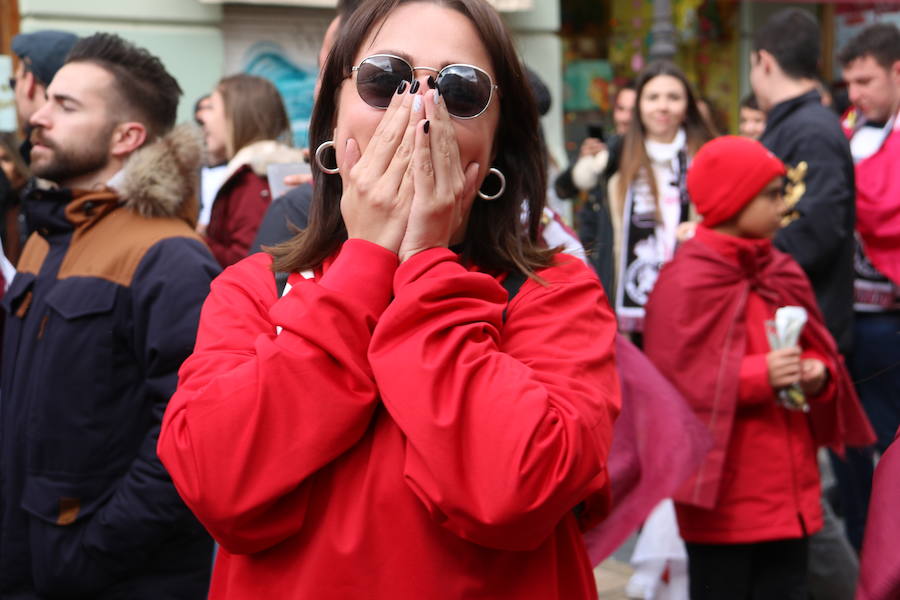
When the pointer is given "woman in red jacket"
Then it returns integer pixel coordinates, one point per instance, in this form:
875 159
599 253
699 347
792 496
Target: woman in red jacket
392 427
244 125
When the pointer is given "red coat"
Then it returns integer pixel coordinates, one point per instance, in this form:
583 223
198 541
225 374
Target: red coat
238 210
413 447
760 481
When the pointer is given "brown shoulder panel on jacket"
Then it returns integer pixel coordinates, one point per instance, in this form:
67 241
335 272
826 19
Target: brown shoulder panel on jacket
113 248
33 255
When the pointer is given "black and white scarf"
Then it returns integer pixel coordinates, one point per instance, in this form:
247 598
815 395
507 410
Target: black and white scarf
647 242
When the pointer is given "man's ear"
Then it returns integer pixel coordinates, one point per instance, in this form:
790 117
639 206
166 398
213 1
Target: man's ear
32 87
894 73
766 61
126 138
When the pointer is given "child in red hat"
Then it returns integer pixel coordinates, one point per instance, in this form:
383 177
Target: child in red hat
747 513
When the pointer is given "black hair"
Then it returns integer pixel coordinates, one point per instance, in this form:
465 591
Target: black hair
147 91
345 8
880 41
749 101
791 36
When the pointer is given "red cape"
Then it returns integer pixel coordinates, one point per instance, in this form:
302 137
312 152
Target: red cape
657 444
695 335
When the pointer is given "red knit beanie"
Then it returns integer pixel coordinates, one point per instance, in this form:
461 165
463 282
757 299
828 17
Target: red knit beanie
727 173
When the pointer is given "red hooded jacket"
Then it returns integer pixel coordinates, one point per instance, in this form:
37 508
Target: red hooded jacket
397 439
706 334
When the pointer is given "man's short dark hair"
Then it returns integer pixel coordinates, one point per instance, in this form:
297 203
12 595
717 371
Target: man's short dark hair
880 41
149 93
791 36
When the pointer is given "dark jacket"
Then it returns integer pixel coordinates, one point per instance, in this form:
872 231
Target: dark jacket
285 217
801 130
103 310
595 229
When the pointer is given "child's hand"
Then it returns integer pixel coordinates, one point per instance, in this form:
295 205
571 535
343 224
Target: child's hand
685 231
813 376
784 367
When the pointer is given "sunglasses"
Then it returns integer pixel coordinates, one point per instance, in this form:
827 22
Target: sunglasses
467 90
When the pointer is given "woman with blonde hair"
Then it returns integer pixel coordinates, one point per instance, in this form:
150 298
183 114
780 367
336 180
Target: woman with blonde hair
247 125
649 204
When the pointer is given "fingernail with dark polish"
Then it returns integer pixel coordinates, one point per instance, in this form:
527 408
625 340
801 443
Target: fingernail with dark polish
401 88
414 87
430 81
426 126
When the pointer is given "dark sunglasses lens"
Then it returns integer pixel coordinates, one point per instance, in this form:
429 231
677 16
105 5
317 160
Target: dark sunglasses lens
378 78
466 91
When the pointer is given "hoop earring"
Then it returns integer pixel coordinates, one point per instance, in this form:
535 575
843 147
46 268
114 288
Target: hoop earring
499 174
322 148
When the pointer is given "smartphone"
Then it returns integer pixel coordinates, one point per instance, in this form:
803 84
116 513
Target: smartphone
595 130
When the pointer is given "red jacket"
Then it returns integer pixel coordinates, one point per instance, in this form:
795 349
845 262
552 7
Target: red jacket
239 207
405 447
760 482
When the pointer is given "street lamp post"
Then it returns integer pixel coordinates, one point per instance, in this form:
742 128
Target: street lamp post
663 30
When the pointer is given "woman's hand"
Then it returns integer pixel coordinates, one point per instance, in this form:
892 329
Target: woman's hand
378 186
443 188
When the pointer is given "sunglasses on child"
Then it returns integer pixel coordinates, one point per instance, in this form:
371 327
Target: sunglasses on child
467 90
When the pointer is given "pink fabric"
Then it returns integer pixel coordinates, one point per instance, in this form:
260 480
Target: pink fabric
879 569
657 444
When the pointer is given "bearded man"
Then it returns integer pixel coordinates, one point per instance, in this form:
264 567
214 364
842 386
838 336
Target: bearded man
100 315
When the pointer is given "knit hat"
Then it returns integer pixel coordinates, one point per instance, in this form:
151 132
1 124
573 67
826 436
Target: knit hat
727 173
46 51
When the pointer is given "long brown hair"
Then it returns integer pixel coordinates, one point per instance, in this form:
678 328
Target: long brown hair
496 239
254 112
635 160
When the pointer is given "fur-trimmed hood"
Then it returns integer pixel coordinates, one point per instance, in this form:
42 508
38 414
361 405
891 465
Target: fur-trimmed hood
162 178
259 155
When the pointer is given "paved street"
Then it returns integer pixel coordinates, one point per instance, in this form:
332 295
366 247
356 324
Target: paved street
612 576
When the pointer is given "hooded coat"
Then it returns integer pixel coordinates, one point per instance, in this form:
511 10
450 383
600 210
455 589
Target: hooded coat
103 310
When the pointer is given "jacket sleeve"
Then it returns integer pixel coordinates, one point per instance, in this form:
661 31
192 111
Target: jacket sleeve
754 386
508 426
257 414
247 206
144 510
826 208
284 217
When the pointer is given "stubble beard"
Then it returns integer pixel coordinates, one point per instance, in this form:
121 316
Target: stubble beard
65 163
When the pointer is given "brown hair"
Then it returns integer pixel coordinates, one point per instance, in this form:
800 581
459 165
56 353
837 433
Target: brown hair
10 146
496 238
139 77
634 156
254 112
